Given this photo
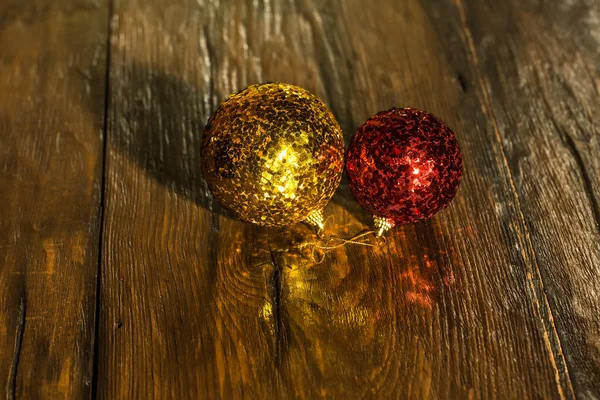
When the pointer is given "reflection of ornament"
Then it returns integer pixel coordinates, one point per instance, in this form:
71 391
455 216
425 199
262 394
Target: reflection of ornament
273 154
403 165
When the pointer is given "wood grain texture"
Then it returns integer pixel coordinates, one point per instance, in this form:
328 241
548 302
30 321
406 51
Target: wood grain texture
52 58
540 80
471 304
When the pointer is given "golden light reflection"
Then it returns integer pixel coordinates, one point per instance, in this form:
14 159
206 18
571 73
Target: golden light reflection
282 172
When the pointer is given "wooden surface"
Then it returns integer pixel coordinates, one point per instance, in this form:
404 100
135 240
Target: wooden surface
50 190
122 278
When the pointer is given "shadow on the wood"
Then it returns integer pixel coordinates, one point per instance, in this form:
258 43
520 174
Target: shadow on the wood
158 119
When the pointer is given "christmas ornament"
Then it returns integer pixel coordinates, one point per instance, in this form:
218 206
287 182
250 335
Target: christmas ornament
404 165
273 154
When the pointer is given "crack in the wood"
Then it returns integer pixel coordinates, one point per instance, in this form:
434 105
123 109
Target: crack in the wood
275 292
462 81
12 377
587 181
570 145
214 206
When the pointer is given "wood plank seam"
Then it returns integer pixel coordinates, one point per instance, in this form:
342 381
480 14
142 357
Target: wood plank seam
487 109
110 6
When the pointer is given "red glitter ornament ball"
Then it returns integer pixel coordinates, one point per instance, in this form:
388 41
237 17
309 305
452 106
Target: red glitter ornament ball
404 165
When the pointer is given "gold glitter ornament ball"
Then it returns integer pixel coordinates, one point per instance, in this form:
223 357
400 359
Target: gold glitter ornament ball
273 154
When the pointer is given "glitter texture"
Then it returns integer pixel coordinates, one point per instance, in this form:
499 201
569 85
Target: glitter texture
404 165
273 154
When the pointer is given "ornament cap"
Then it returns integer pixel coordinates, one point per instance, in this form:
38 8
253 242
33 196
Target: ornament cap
382 224
315 218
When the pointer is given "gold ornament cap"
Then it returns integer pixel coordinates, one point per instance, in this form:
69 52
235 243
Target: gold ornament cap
316 218
382 224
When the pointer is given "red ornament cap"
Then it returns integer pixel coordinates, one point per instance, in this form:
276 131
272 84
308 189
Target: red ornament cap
404 165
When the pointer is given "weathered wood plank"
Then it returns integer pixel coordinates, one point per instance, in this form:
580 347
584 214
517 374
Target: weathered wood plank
471 265
541 68
52 62
195 304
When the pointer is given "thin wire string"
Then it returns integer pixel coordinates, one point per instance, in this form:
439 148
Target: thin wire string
324 244
320 248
